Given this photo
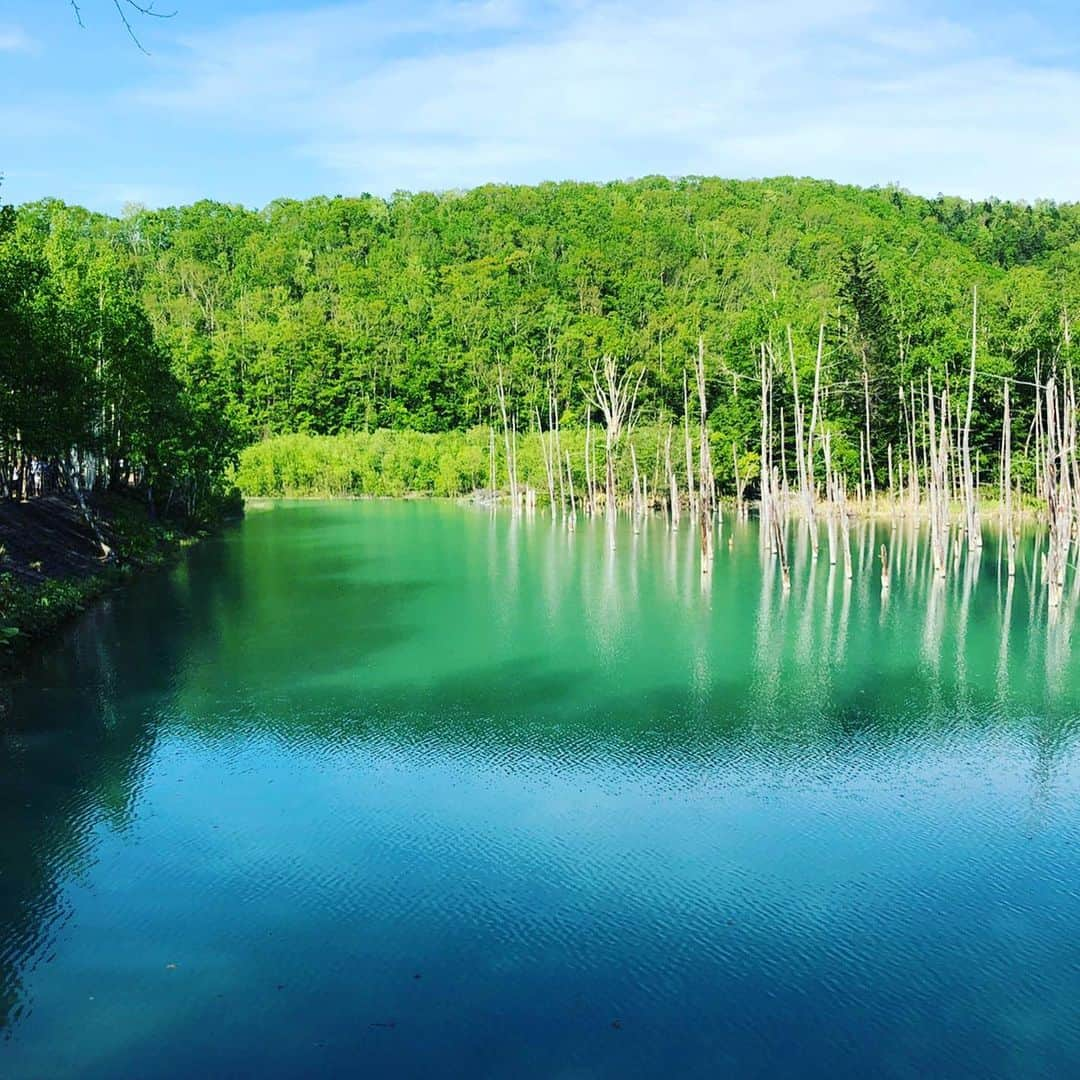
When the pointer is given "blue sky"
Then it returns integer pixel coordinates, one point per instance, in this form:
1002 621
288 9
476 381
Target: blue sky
248 100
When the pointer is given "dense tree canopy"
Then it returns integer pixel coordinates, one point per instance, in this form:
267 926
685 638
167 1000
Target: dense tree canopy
170 336
85 384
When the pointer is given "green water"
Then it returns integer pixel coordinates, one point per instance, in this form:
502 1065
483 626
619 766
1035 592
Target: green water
411 790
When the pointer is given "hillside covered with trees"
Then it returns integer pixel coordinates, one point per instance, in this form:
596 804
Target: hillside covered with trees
168 339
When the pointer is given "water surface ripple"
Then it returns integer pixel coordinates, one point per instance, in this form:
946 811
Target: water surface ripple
412 790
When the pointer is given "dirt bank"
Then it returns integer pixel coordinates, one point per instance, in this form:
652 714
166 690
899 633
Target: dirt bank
52 566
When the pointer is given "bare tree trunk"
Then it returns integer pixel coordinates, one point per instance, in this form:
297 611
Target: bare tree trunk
635 496
704 465
914 474
691 494
571 521
590 488
556 453
974 534
778 532
511 455
1039 455
815 411
845 526
938 493
673 483
1058 493
831 496
88 517
615 396
801 465
1006 484
765 469
869 457
545 453
862 467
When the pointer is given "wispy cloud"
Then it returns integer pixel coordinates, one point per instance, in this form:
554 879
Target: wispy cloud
453 94
13 39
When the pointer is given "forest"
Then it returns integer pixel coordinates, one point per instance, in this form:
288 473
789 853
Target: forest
90 397
153 347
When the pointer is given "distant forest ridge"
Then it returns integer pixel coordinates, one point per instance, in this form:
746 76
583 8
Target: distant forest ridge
337 315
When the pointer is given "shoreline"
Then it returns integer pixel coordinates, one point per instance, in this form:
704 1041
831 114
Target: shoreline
37 601
896 510
51 570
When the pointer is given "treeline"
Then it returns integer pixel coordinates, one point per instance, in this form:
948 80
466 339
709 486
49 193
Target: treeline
394 463
90 398
384 463
352 315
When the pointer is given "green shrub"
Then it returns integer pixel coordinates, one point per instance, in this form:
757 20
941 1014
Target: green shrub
396 463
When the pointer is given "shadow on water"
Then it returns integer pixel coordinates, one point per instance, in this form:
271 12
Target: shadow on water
80 722
73 753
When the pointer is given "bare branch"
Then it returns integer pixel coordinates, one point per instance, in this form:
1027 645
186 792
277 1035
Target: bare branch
123 8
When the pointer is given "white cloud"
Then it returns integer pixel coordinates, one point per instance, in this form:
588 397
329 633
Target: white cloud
458 94
12 39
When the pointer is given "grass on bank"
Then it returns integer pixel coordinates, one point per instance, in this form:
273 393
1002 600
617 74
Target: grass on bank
48 579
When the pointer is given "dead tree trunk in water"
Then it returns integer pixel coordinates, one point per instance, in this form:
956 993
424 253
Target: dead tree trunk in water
869 458
590 471
704 465
691 495
740 493
511 445
556 452
1006 484
831 500
974 536
546 449
673 483
845 524
1039 476
1058 486
571 521
615 395
778 531
765 467
937 481
913 475
802 466
815 414
635 496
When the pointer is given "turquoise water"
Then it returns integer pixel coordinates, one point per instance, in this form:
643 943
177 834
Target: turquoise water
411 790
